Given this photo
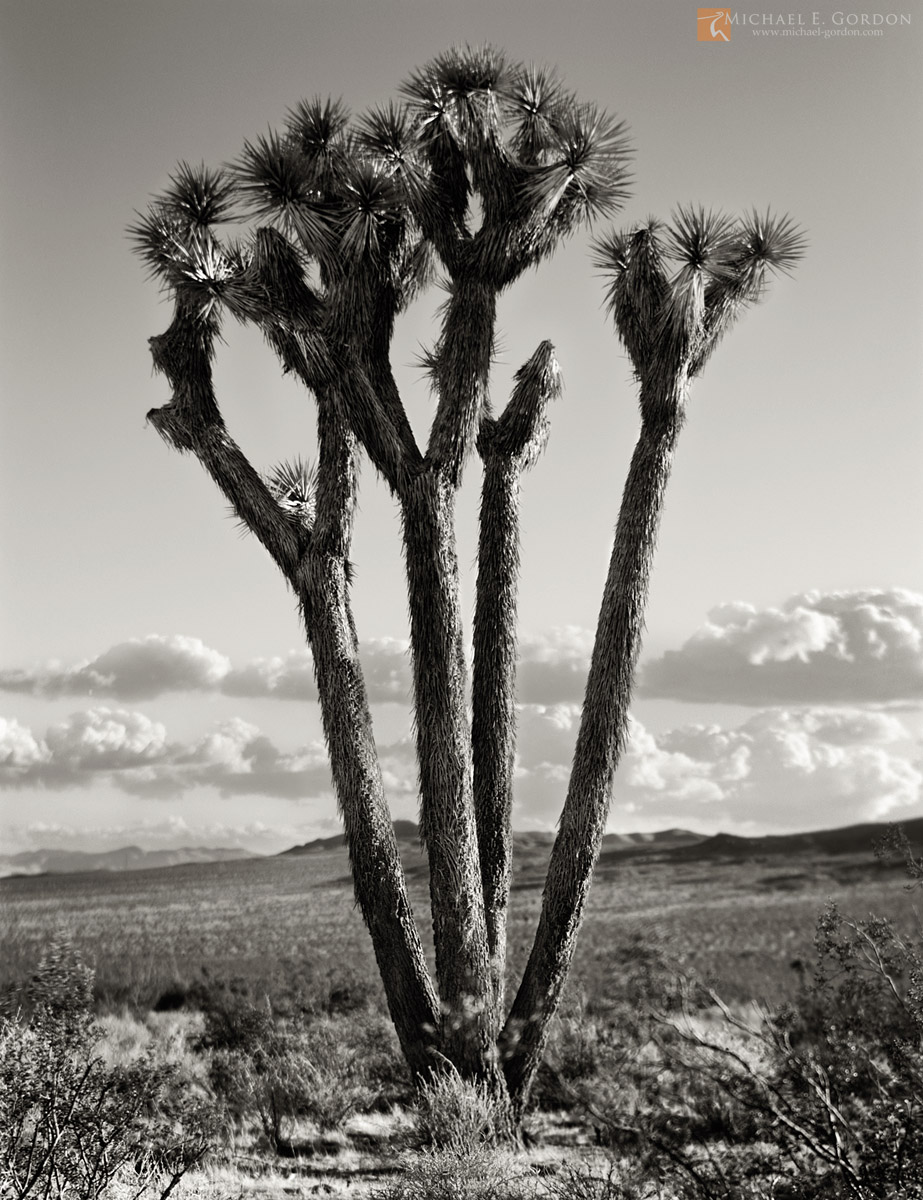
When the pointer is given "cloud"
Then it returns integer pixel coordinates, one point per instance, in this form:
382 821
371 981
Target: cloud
75 752
782 768
131 752
288 678
235 759
790 769
833 648
553 666
152 666
104 739
552 669
385 664
20 752
139 669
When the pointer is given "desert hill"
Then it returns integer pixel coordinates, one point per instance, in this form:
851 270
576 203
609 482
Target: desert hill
128 858
531 849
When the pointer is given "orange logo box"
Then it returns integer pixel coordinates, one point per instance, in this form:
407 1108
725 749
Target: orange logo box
714 25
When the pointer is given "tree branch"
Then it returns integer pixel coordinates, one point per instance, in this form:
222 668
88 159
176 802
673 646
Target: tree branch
507 446
316 565
378 875
600 741
192 423
462 371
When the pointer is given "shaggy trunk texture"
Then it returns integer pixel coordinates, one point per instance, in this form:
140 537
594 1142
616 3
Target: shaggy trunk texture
493 728
508 446
444 761
493 702
376 864
380 889
461 370
600 741
315 563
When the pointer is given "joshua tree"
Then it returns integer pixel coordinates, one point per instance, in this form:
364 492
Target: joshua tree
481 170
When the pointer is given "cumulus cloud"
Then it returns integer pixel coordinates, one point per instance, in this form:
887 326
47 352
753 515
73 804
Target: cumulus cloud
793 769
20 751
88 745
131 752
283 678
235 759
782 768
139 669
828 648
148 667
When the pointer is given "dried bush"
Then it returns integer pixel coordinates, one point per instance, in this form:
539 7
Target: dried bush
454 1114
280 1071
822 1099
73 1125
476 1173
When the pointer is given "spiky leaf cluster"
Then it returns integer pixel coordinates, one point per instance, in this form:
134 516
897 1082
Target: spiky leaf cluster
675 290
507 143
294 486
487 163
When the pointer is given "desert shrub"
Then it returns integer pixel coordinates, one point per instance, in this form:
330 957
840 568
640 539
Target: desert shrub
600 1056
483 1173
333 1077
72 1124
475 1173
455 1115
820 1099
588 1181
589 1052
371 1037
280 1070
823 1099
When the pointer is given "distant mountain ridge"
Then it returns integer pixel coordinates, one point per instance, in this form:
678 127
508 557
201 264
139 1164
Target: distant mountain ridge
530 839
677 843
531 848
848 839
127 858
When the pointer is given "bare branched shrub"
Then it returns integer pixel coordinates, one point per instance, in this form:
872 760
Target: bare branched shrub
587 1181
72 1125
281 1071
820 1100
823 1099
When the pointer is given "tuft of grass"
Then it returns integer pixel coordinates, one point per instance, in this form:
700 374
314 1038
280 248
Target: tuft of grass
454 1114
474 1173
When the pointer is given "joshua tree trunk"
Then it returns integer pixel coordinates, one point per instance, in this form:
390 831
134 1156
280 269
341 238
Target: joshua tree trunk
444 761
316 566
600 742
493 699
508 446
373 852
322 585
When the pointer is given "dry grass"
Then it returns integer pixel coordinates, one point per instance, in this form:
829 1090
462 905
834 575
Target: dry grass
288 928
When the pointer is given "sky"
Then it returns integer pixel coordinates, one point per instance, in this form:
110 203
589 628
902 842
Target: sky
154 686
